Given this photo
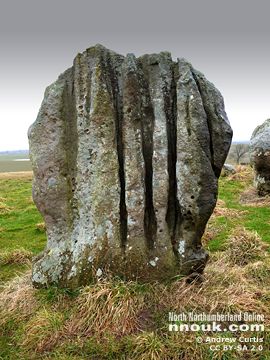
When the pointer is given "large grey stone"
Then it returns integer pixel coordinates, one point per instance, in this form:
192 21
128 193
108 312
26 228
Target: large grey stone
260 157
228 170
126 154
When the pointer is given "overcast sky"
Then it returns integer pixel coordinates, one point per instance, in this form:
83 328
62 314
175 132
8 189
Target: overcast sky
226 40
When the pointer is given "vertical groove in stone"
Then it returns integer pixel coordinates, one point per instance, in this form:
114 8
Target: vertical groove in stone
118 106
209 125
170 107
150 222
220 131
133 156
71 136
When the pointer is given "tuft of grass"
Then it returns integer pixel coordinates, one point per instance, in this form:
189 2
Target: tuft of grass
244 247
259 272
14 262
222 210
41 227
4 209
17 256
238 292
42 331
17 300
250 197
148 346
112 307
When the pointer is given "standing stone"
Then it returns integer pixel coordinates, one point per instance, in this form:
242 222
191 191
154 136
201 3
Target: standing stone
260 157
126 155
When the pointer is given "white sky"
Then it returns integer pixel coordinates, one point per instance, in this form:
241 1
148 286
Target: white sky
227 41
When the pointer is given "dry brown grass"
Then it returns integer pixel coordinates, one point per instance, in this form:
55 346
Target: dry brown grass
211 232
4 209
245 246
224 290
17 300
106 307
30 200
243 173
212 228
148 346
41 333
41 227
222 210
250 197
259 272
232 280
115 309
16 175
18 256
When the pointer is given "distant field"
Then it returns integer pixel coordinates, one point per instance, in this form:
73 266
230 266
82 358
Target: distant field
12 162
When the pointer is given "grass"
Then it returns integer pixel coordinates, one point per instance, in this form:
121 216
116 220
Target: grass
20 231
117 320
231 212
8 162
14 166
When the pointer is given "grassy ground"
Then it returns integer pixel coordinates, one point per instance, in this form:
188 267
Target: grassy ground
117 320
19 222
9 163
232 211
14 166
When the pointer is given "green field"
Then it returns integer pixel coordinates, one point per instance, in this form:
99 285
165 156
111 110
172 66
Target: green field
18 220
9 163
117 320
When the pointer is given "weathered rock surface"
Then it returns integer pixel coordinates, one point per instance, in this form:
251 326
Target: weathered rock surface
228 170
260 157
126 155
